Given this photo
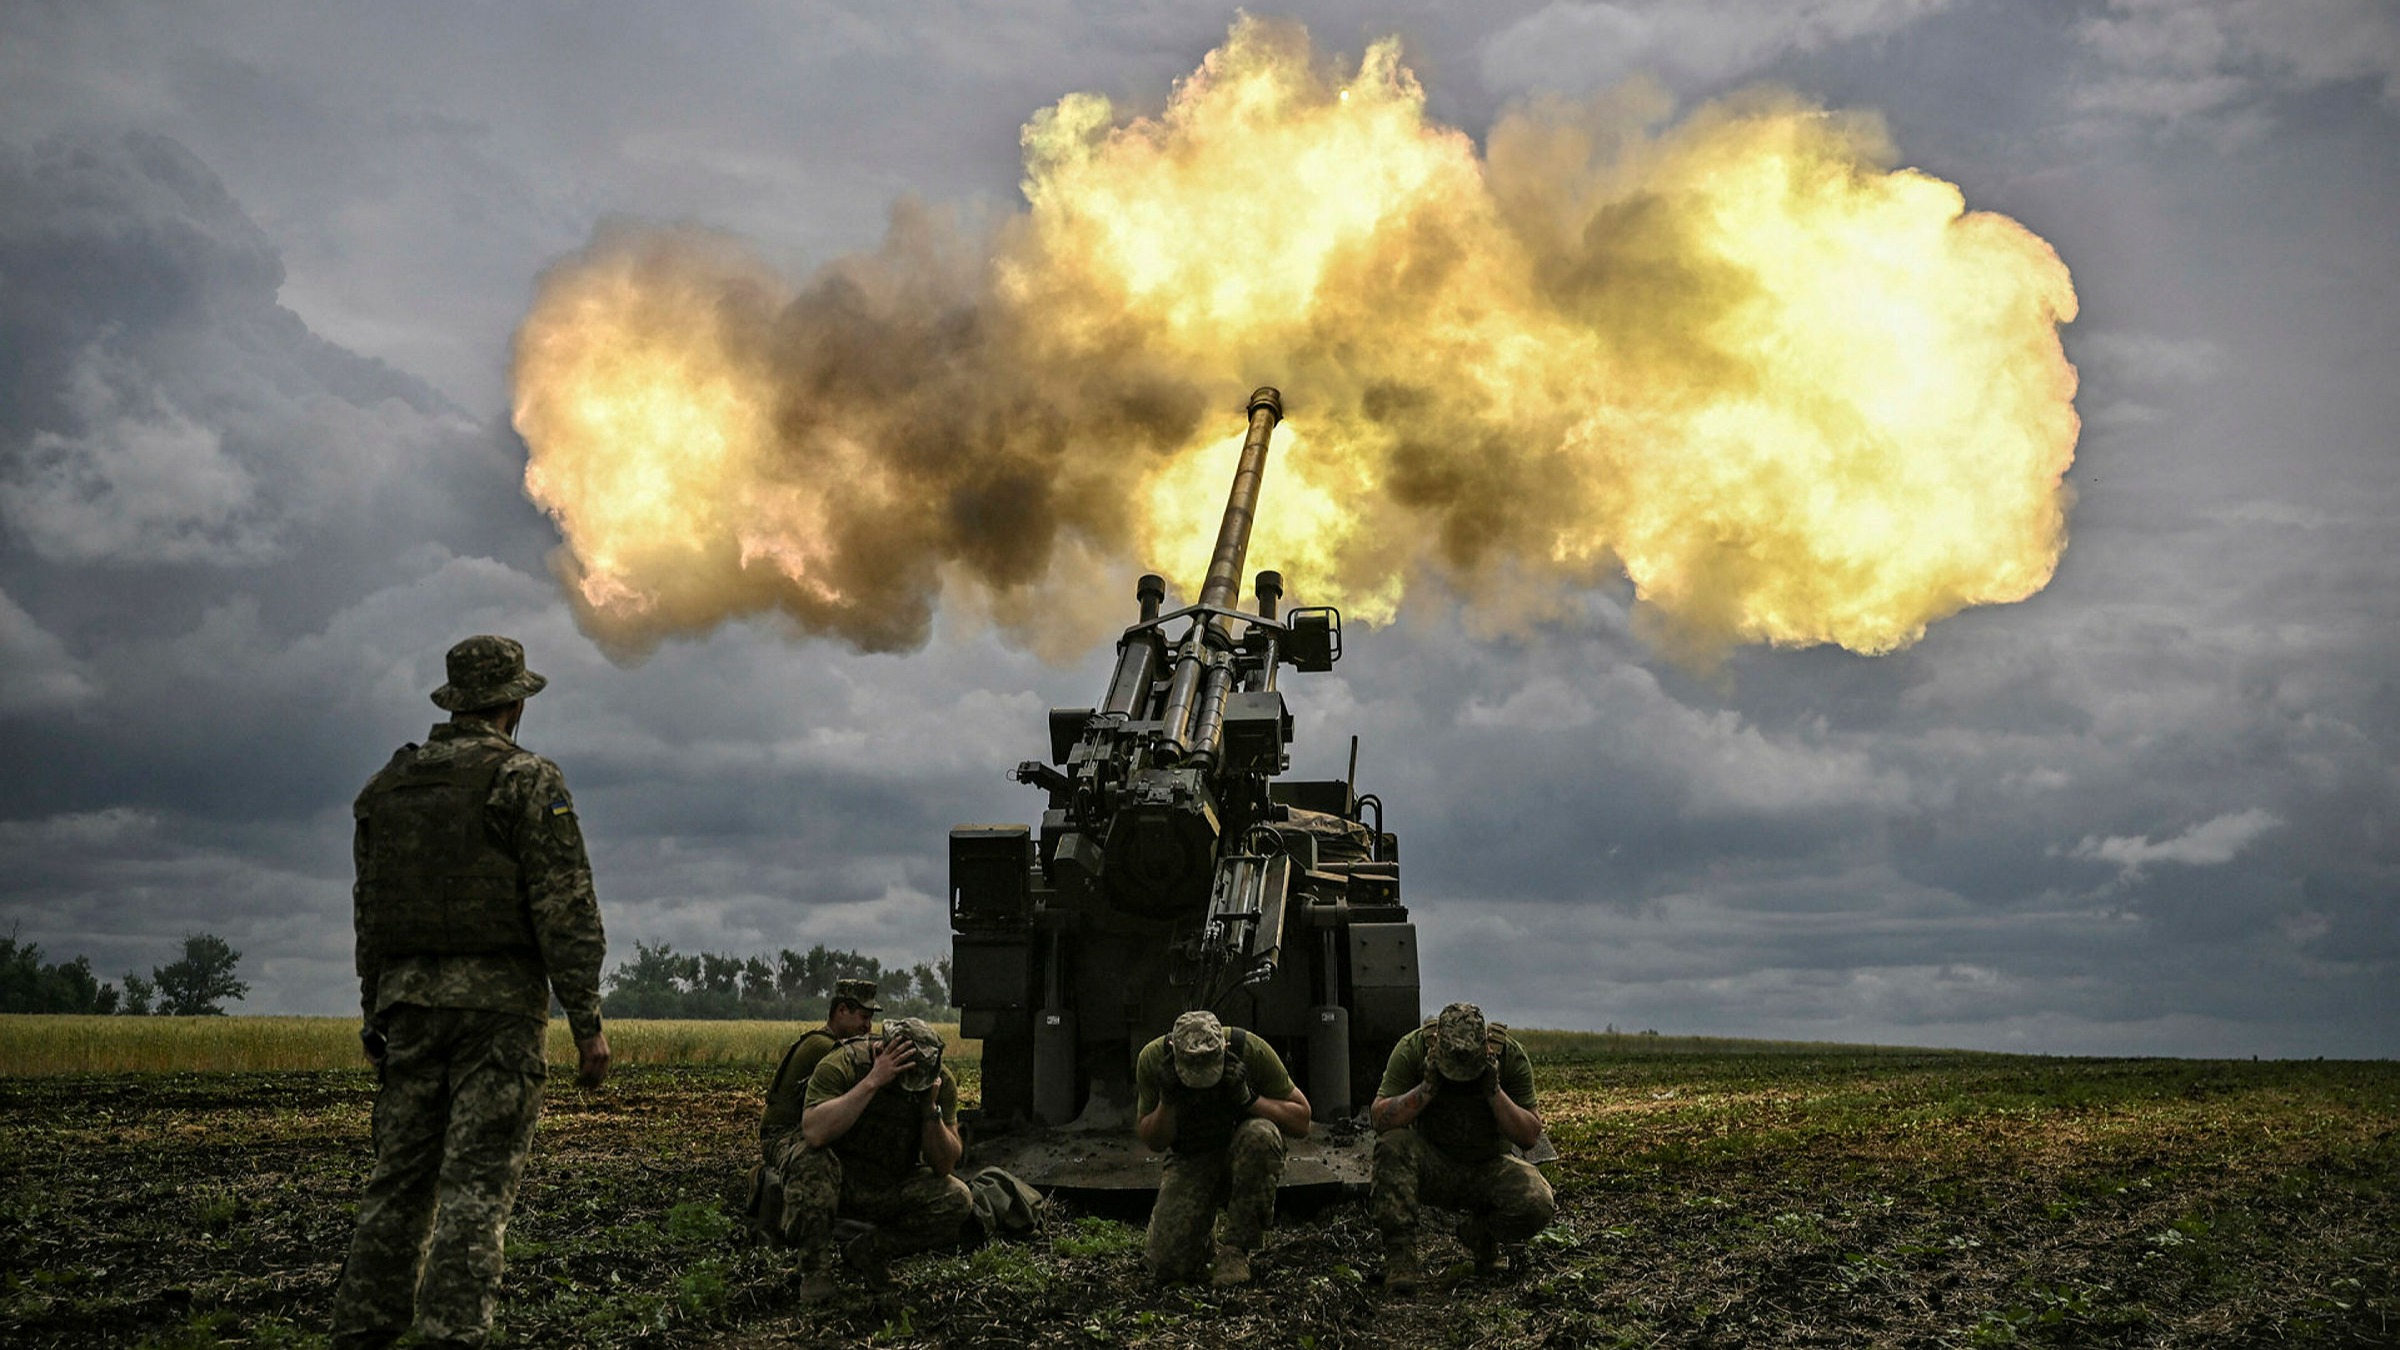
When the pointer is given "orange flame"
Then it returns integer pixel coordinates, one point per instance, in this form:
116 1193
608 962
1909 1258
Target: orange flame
1796 396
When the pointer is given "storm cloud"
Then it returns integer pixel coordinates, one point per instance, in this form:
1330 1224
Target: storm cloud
260 267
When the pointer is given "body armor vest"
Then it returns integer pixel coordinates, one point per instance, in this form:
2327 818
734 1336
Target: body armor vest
1205 1118
434 884
1458 1120
788 1093
886 1136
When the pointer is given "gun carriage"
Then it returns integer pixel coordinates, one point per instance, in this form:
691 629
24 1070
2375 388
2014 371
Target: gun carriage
1173 870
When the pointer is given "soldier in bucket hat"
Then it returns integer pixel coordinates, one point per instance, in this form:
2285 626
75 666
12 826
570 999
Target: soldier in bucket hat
1218 1102
880 1125
1455 1107
473 908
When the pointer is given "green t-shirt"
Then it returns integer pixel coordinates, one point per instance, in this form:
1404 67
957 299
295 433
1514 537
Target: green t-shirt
788 1094
837 1074
1406 1068
1155 1064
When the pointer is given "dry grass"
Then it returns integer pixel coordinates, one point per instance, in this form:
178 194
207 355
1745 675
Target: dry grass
40 1046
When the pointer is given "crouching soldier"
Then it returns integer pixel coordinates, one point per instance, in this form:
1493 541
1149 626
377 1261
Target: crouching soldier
1457 1093
881 1128
1219 1104
852 1012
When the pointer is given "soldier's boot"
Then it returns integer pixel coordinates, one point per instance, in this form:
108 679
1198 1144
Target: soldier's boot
1231 1267
864 1251
1401 1274
1475 1234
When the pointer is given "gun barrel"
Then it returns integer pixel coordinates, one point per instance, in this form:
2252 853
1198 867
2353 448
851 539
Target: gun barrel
1224 582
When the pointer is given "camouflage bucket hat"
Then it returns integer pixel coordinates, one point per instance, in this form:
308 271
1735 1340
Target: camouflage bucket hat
860 992
1198 1041
928 1066
1456 1045
486 672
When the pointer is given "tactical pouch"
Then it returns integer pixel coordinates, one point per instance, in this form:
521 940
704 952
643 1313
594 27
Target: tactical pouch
762 1204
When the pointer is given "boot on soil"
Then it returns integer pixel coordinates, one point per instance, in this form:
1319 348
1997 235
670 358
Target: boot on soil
1401 1273
817 1286
1475 1234
864 1252
1231 1267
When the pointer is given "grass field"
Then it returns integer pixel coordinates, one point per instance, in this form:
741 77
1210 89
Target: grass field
31 1046
1725 1194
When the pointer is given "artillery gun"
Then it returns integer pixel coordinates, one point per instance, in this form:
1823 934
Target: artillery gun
1171 871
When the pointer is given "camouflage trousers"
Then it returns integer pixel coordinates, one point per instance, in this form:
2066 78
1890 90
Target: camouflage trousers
913 1213
461 1089
1511 1193
1239 1178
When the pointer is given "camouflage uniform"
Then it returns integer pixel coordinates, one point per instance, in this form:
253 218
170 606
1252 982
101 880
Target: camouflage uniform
464 934
876 1169
1453 1154
779 1140
1222 1158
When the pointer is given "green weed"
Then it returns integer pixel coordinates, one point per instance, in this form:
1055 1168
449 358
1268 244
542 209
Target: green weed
1091 1236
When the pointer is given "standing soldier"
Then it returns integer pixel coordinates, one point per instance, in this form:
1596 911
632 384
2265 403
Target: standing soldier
1219 1103
881 1127
1456 1094
473 906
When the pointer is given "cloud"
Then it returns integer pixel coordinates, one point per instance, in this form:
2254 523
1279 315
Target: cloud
132 484
37 676
2123 373
2217 63
1572 47
2147 359
1813 844
2204 845
164 408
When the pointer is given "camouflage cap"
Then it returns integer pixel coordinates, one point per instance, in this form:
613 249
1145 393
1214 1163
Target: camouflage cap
1198 1040
1456 1045
919 1075
860 992
485 672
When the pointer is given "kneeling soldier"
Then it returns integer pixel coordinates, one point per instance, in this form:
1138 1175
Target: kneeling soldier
1456 1094
881 1124
1219 1103
851 1013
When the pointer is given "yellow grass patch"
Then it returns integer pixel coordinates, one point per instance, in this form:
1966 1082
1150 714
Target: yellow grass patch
32 1046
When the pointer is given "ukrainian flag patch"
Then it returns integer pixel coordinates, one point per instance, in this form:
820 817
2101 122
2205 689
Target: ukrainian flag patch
561 807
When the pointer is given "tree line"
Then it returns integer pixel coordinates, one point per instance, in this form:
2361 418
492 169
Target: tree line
657 982
193 985
793 986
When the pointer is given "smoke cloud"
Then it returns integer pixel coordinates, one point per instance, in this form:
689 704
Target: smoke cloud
1796 395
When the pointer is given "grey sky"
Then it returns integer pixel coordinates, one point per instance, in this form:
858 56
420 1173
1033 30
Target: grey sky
259 267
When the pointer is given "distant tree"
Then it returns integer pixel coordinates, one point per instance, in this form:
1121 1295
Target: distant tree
791 975
932 983
721 974
30 985
137 995
660 982
192 986
647 985
758 981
